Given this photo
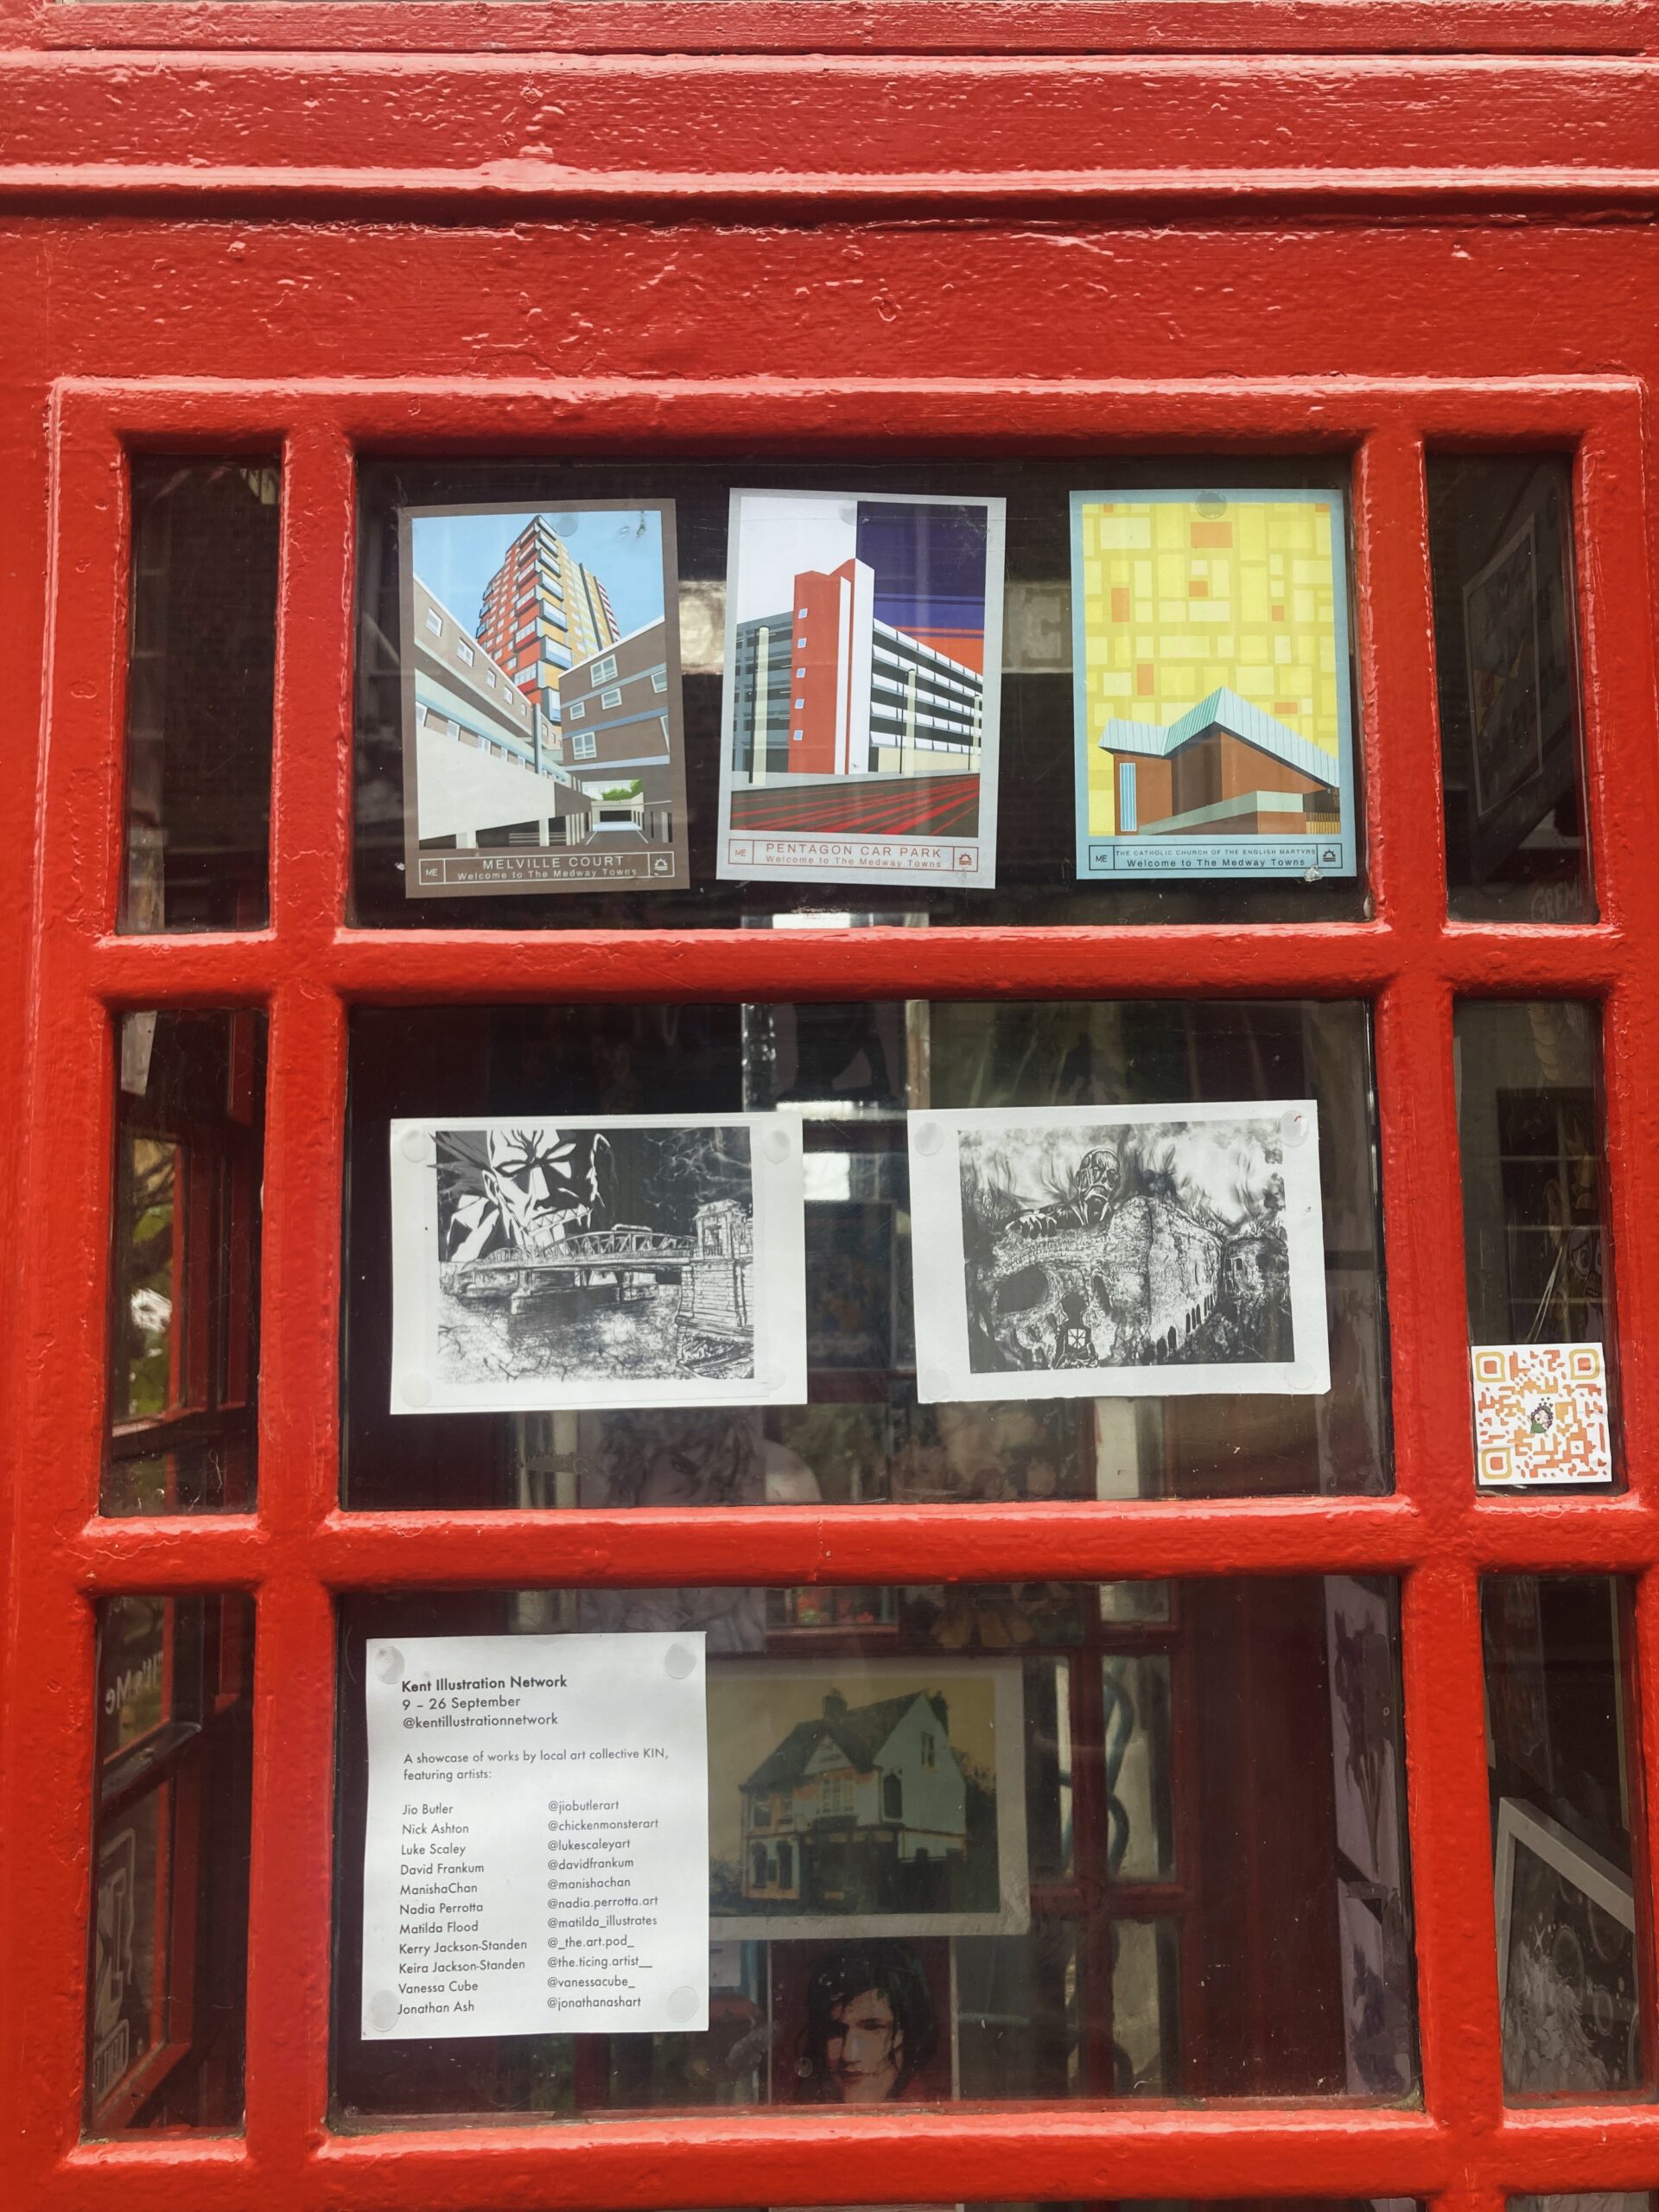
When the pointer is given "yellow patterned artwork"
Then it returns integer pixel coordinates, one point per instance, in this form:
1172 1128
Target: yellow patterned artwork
1211 666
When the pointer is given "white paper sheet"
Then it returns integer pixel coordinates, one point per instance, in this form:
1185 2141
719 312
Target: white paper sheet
639 1260
1118 1251
533 1860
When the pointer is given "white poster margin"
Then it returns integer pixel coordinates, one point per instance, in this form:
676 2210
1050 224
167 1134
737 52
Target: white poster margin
944 1372
984 841
778 1183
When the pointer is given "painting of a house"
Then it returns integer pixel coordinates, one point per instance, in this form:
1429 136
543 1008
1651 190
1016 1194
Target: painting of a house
859 1810
1213 682
1224 769
866 1797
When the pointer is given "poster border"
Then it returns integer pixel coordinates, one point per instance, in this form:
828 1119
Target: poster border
1012 1914
777 1184
679 844
1296 865
944 1372
984 841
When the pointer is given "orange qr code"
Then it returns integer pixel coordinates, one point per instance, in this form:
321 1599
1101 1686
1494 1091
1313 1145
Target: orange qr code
1541 1415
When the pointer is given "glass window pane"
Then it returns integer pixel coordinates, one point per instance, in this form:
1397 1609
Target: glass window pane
1535 1246
1140 1844
185 1263
523 632
1571 1934
851 1072
946 1829
201 660
165 2019
1506 658
148 1379
1146 2007
1599 2200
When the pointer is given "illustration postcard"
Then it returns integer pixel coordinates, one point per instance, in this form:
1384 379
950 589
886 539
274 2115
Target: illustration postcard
1119 1251
544 742
639 1260
864 686
856 1798
1214 720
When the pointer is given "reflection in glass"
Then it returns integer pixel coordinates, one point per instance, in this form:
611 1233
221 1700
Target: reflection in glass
200 675
1536 1247
167 1994
1145 2007
1570 1968
1506 659
1530 1141
148 1376
1598 2200
984 1842
1140 1847
184 1262
852 1072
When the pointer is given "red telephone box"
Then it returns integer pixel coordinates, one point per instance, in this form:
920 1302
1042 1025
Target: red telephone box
281 271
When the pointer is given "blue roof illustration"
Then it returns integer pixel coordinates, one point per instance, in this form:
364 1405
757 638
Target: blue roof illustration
1223 709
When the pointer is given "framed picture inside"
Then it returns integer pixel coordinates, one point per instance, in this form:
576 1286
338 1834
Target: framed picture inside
131 1968
1567 1959
852 1798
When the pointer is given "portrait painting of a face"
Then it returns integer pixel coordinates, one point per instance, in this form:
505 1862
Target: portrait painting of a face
861 2022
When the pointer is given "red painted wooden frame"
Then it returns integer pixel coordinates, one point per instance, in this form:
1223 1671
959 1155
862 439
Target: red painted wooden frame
815 26
299 1550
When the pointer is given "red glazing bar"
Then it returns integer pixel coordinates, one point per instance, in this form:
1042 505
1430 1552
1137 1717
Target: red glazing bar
1433 1458
290 1877
895 26
61 1255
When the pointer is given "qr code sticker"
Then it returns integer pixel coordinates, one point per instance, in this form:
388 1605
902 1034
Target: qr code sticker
1541 1415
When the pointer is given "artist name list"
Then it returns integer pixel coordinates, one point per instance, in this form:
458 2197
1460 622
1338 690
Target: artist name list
520 1872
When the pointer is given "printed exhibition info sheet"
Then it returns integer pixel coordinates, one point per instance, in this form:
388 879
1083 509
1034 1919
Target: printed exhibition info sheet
532 1859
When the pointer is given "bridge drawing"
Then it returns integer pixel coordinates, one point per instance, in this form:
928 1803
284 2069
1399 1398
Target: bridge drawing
627 1264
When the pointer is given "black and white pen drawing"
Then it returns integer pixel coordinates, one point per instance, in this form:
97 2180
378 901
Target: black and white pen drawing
634 1261
1137 1251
